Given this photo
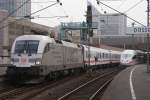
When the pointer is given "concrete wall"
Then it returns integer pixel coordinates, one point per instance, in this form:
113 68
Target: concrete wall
3 36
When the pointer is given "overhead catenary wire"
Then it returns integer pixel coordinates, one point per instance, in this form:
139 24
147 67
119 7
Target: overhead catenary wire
29 16
54 17
4 2
64 11
133 6
66 15
108 0
98 1
44 2
43 9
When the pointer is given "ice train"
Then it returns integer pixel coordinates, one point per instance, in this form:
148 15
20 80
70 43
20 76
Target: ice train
131 57
42 56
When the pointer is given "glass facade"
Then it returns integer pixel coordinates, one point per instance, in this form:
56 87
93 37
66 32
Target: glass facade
11 5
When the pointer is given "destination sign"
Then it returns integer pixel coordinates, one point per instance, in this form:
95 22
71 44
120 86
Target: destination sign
138 30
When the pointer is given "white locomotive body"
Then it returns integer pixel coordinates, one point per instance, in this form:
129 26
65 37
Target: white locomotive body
39 55
62 56
42 56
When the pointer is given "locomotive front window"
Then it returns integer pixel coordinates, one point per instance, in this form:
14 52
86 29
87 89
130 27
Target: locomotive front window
126 56
20 47
26 46
33 46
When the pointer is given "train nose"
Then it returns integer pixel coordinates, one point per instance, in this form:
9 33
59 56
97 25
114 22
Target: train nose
125 61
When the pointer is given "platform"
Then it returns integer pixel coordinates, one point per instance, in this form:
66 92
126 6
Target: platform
133 83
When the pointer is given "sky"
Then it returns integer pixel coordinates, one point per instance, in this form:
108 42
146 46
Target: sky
76 10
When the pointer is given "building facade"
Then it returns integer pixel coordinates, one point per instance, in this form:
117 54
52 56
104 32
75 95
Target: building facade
12 5
109 24
112 24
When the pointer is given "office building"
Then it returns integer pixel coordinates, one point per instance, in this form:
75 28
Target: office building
12 5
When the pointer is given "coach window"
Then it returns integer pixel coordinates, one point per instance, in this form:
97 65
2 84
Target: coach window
46 48
87 54
106 55
113 56
99 55
117 57
103 55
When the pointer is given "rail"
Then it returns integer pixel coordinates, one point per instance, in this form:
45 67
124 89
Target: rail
64 97
100 89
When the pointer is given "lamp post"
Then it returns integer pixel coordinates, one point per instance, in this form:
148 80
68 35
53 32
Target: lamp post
133 37
148 36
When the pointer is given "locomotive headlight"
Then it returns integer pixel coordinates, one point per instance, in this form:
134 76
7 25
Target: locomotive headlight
38 61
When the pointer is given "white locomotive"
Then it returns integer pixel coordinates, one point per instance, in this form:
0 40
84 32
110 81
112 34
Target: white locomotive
42 56
131 57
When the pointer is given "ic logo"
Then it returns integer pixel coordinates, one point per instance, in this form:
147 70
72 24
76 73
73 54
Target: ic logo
23 60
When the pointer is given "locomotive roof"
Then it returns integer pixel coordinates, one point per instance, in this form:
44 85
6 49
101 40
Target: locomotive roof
69 44
102 49
35 37
132 51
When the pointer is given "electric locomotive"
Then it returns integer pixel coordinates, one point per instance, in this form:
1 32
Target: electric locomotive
38 56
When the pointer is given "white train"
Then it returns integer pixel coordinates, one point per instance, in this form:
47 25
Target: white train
42 56
131 57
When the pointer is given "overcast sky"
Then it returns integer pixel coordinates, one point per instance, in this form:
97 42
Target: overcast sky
76 10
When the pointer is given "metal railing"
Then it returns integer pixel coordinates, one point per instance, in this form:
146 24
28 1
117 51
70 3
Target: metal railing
78 25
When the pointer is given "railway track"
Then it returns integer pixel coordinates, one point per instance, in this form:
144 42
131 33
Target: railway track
38 90
5 87
13 92
28 91
31 92
56 92
89 90
97 95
